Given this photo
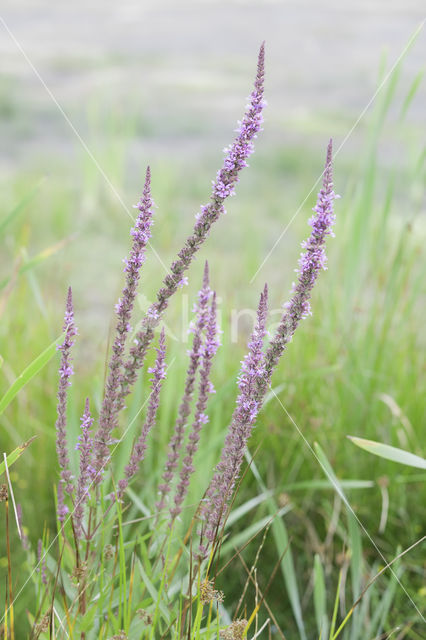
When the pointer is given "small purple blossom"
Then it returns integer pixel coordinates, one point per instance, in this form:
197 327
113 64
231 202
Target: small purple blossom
138 454
183 282
65 373
210 347
201 314
87 471
108 419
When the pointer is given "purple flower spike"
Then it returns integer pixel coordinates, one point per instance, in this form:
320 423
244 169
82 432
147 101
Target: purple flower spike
138 454
41 562
108 418
87 472
176 441
65 373
226 179
312 260
242 423
205 389
62 507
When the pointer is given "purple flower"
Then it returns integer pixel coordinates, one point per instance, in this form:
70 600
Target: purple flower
175 444
108 418
138 454
65 373
235 160
200 418
87 471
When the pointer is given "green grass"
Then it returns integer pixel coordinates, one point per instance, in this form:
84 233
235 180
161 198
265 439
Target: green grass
354 368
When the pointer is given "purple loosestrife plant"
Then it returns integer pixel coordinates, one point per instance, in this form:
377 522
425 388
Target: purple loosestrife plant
253 381
65 373
201 418
226 179
175 444
158 374
87 472
257 368
108 418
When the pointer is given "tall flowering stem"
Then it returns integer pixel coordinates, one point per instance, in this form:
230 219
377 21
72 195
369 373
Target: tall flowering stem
227 177
242 423
175 444
65 373
85 447
200 418
257 370
108 418
138 454
311 261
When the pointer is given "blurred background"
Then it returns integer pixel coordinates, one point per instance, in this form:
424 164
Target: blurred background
92 92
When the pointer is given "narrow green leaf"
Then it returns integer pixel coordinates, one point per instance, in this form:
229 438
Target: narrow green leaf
411 93
335 608
16 453
390 453
28 373
320 598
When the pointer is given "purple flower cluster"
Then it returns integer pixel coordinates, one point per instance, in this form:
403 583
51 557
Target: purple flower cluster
111 405
65 373
138 454
205 389
175 444
87 471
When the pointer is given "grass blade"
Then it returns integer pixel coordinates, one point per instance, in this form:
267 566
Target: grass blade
320 598
389 453
16 453
28 373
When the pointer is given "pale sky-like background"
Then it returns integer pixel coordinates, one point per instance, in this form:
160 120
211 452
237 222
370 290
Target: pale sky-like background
183 67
